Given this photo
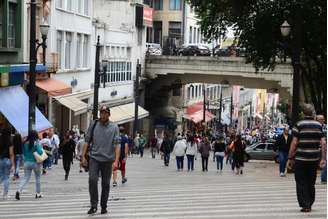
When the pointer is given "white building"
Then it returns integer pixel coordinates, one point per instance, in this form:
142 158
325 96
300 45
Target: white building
66 94
122 45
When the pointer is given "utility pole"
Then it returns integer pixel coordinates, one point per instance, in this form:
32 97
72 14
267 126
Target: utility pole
231 108
96 82
32 76
136 99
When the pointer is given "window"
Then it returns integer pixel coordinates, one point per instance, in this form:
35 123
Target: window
198 35
260 147
85 51
68 50
190 34
175 4
86 7
78 50
1 23
59 47
69 5
158 5
59 3
12 25
79 6
175 29
270 147
194 35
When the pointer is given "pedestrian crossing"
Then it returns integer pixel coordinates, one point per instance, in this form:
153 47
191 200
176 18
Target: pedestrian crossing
155 191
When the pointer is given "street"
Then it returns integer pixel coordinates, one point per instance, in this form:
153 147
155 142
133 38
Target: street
156 191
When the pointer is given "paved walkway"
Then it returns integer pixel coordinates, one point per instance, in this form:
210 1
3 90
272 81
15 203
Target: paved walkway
155 191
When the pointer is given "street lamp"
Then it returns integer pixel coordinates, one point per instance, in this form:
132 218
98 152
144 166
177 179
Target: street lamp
285 29
34 46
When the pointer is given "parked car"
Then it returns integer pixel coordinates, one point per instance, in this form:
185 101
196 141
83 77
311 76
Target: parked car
230 51
261 151
154 49
194 50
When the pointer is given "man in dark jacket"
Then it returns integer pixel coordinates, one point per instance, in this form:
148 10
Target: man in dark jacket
166 149
282 145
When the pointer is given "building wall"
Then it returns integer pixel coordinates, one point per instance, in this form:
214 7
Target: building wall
122 42
12 54
79 25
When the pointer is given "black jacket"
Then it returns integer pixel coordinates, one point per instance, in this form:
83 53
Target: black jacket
167 146
281 143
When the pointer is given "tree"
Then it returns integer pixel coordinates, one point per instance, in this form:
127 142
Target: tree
256 25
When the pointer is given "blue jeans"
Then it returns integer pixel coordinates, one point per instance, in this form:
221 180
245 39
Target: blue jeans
55 156
179 162
166 159
18 160
28 167
219 162
5 165
190 161
283 157
324 174
48 162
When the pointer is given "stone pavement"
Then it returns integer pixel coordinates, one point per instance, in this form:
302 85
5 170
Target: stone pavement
156 191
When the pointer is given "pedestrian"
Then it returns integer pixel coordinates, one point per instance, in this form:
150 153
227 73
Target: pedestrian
54 139
31 145
219 152
131 146
166 149
191 152
282 145
46 146
142 144
238 154
18 151
153 146
79 149
68 151
7 162
304 153
205 148
103 142
124 149
179 151
136 143
321 119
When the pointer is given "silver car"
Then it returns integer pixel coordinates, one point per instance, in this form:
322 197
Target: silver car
261 151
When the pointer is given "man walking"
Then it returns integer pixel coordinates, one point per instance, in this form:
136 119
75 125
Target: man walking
103 142
304 153
166 149
282 145
124 148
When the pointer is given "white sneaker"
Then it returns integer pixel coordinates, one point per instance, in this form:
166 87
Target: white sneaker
5 197
282 175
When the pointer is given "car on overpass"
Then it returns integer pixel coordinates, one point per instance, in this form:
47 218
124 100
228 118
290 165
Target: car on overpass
194 50
261 151
153 49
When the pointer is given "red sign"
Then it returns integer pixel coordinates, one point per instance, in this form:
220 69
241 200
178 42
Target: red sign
148 16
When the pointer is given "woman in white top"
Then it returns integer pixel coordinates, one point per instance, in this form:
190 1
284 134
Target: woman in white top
191 152
179 151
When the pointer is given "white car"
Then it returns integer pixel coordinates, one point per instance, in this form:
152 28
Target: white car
153 49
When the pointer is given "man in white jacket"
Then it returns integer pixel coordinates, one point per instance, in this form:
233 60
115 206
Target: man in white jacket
179 151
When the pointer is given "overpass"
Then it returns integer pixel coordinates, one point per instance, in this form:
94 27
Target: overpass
166 70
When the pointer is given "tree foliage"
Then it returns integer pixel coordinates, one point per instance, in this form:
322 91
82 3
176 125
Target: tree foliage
256 24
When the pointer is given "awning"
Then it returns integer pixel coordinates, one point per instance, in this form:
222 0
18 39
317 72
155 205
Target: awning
14 106
125 113
259 116
197 117
54 87
73 103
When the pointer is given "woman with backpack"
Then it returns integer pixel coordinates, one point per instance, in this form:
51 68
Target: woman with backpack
6 160
31 145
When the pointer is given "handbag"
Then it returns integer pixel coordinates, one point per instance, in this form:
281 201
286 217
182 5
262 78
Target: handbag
40 158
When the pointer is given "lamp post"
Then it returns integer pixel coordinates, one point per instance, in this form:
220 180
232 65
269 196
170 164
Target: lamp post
204 106
285 29
96 82
34 46
220 108
136 99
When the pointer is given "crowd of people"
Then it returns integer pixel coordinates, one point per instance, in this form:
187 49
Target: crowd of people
105 148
